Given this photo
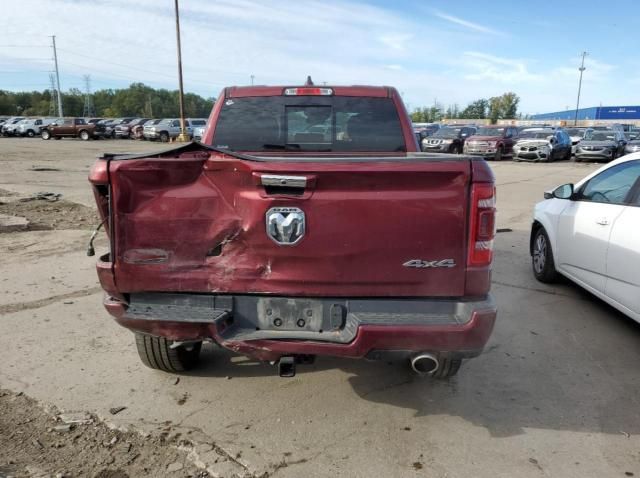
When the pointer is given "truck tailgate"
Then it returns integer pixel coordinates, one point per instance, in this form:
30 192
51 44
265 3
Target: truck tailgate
197 223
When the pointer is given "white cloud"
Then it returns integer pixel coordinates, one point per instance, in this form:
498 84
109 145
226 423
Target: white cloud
596 70
465 23
483 66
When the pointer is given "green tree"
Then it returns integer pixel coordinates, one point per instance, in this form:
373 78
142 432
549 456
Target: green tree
136 100
475 110
510 103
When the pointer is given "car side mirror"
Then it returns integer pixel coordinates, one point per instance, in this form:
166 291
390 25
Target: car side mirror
561 192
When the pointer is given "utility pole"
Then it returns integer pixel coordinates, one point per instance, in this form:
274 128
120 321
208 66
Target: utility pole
54 93
252 78
55 60
581 69
88 110
183 136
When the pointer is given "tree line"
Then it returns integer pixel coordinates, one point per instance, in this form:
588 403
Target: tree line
136 100
504 106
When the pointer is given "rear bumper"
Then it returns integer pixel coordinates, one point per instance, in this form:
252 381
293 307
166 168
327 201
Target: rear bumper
341 327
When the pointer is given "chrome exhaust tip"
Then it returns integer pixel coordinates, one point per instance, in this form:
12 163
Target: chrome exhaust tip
424 364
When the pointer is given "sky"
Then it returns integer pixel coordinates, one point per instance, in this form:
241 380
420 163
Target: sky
450 52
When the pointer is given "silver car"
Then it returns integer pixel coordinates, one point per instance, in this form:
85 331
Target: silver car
633 143
601 145
31 127
9 126
168 129
542 144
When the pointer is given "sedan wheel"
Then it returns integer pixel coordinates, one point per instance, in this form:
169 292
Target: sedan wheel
542 257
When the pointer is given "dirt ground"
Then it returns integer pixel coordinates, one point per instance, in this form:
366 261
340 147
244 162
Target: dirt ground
44 212
556 393
35 442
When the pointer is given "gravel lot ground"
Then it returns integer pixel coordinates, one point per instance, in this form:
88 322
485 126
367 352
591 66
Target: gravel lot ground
556 394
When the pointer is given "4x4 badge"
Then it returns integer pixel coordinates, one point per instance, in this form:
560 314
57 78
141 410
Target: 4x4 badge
420 264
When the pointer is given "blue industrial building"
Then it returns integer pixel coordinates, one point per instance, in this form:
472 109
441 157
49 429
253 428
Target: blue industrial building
618 113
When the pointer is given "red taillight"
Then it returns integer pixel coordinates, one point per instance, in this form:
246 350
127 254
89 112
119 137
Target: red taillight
308 91
483 224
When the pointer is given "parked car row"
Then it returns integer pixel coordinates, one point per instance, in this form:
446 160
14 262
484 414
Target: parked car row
95 128
536 143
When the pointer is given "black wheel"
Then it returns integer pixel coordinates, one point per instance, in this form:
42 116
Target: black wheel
552 155
447 369
544 268
84 135
157 353
164 137
31 133
57 137
498 156
45 134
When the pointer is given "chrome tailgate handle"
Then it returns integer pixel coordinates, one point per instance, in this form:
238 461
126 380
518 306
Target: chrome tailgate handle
287 181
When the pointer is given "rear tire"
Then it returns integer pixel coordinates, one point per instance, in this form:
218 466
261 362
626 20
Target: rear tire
447 369
498 156
31 133
164 137
84 135
542 263
156 353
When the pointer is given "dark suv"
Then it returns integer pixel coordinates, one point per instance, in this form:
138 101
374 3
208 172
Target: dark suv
449 139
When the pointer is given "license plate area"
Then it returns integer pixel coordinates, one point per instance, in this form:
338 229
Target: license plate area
290 314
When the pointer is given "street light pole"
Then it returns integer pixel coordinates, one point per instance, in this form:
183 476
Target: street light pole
183 136
582 68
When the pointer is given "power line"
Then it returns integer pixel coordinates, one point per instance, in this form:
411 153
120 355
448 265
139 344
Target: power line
88 109
24 46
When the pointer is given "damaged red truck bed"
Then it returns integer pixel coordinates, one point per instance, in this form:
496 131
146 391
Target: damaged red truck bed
305 223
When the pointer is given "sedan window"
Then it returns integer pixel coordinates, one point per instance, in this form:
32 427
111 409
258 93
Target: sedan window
613 185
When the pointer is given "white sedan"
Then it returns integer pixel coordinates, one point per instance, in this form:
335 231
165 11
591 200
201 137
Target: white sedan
590 233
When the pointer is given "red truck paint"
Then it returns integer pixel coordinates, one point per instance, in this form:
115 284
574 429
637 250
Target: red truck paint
192 221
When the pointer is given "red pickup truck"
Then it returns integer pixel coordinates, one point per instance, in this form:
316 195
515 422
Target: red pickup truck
306 223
